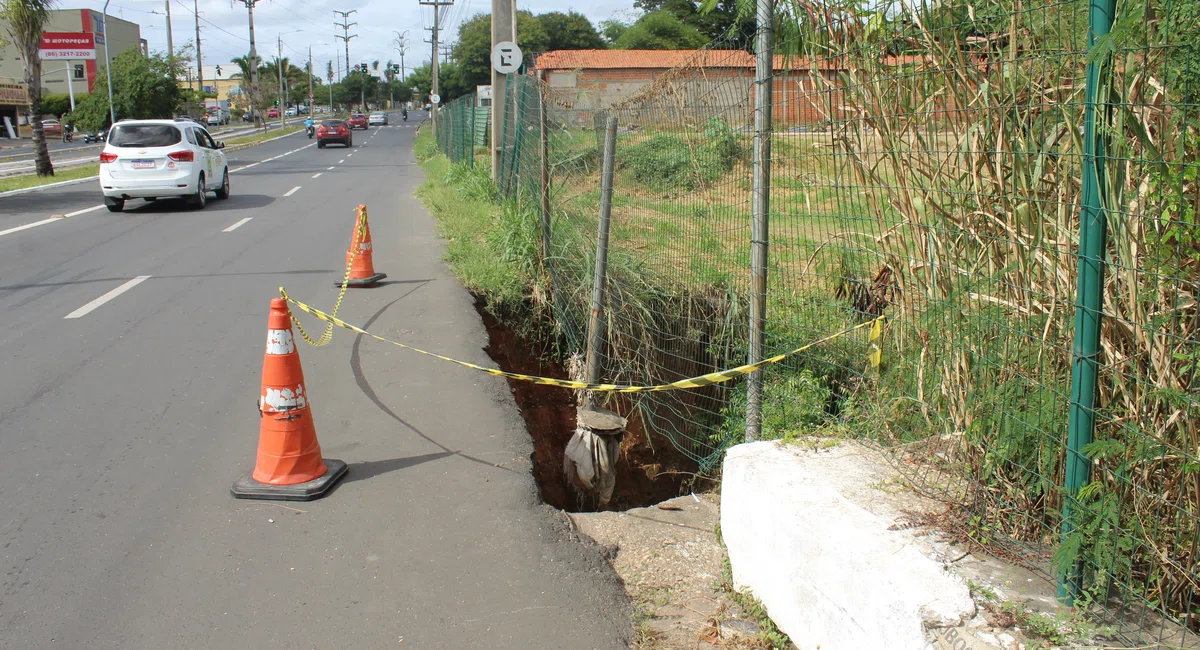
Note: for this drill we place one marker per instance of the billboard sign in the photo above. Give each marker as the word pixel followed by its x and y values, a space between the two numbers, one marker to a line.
pixel 67 45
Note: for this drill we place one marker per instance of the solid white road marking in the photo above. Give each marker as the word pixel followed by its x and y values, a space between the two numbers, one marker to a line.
pixel 237 225
pixel 318 174
pixel 43 222
pixel 292 191
pixel 86 309
pixel 84 211
pixel 27 226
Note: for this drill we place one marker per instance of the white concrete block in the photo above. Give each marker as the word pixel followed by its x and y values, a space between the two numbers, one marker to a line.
pixel 828 571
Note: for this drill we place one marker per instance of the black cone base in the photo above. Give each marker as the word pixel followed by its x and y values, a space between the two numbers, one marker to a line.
pixel 248 488
pixel 364 282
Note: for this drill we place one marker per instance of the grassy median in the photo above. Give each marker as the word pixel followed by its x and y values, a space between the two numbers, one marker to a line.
pixel 32 180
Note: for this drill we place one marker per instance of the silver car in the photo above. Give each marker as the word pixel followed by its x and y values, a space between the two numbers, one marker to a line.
pixel 377 119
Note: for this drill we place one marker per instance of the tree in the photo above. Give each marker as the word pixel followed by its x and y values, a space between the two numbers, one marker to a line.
pixel 26 20
pixel 661 30
pixel 716 20
pixel 142 89
pixel 612 29
pixel 570 31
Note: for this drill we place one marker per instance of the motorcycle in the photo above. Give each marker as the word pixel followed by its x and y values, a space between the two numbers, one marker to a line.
pixel 67 135
pixel 404 116
pixel 310 130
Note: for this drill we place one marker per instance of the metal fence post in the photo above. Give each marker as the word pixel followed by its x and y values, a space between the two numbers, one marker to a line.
pixel 545 176
pixel 760 208
pixel 596 323
pixel 1081 422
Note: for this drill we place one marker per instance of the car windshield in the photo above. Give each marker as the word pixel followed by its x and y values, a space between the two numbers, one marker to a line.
pixel 144 135
pixel 331 123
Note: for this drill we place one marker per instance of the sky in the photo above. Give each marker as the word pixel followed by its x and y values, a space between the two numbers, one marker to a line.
pixel 298 24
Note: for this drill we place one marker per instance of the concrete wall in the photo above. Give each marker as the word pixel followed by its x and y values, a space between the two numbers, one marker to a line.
pixel 694 97
pixel 123 35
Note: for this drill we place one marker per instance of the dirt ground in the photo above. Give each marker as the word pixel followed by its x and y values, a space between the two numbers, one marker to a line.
pixel 673 564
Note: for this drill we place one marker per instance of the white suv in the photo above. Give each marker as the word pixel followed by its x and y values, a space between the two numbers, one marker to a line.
pixel 148 159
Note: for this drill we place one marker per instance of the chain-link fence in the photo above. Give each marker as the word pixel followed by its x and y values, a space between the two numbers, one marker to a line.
pixel 1014 185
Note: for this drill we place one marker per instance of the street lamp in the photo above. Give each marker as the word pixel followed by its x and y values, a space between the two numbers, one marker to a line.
pixel 70 84
pixel 112 115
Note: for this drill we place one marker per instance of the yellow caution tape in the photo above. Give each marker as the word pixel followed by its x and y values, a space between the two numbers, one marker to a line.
pixel 693 382
pixel 876 349
pixel 360 232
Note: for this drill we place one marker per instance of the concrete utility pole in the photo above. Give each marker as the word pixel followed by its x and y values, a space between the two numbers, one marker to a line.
pixel 310 88
pixel 170 44
pixel 346 33
pixel 433 41
pixel 279 71
pixel 199 60
pixel 504 28
pixel 253 58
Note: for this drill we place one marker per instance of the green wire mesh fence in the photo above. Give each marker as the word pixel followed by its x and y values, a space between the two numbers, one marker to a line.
pixel 927 165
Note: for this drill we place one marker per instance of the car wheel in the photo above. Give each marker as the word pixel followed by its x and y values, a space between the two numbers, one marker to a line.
pixel 223 192
pixel 320 145
pixel 114 204
pixel 200 198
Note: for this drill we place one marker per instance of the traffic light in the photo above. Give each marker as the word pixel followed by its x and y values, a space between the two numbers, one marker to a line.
pixel 218 71
pixel 395 67
pixel 276 102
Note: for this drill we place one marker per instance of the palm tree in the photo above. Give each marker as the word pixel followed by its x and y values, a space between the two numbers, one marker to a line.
pixel 26 20
pixel 390 74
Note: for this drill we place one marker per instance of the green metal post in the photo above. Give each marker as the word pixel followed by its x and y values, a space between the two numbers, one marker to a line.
pixel 1081 423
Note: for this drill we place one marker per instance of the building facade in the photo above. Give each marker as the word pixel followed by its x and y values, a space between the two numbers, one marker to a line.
pixel 83 76
pixel 224 79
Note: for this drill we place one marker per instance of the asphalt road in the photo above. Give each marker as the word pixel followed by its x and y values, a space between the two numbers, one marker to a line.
pixel 121 431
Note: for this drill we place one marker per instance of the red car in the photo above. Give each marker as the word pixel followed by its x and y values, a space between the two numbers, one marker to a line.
pixel 358 121
pixel 334 132
pixel 274 112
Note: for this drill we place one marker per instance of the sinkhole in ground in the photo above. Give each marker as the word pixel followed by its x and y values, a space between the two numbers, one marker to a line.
pixel 649 471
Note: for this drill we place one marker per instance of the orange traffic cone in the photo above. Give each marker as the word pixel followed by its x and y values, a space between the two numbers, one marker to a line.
pixel 289 465
pixel 362 272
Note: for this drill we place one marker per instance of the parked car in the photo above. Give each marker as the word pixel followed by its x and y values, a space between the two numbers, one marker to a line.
pixel 149 159
pixel 377 119
pixel 358 121
pixel 273 113
pixel 334 132
pixel 292 112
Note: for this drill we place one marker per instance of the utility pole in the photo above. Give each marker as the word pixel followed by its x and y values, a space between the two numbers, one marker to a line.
pixel 402 45
pixel 310 90
pixel 279 70
pixel 504 28
pixel 170 45
pixel 433 41
pixel 346 33
pixel 199 60
pixel 253 60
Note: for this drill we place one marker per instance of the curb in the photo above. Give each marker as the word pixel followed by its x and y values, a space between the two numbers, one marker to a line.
pixel 38 188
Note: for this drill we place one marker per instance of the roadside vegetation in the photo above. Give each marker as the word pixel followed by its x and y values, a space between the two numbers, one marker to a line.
pixel 33 180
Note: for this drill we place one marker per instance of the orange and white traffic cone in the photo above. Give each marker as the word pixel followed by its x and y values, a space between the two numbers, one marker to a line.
pixel 362 269
pixel 289 465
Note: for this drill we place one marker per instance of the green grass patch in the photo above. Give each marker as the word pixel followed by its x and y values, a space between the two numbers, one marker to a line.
pixel 488 246
pixel 33 180
pixel 670 162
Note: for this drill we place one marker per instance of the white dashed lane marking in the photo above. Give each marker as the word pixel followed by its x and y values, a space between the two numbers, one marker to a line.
pixel 292 191
pixel 318 174
pixel 88 308
pixel 237 225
